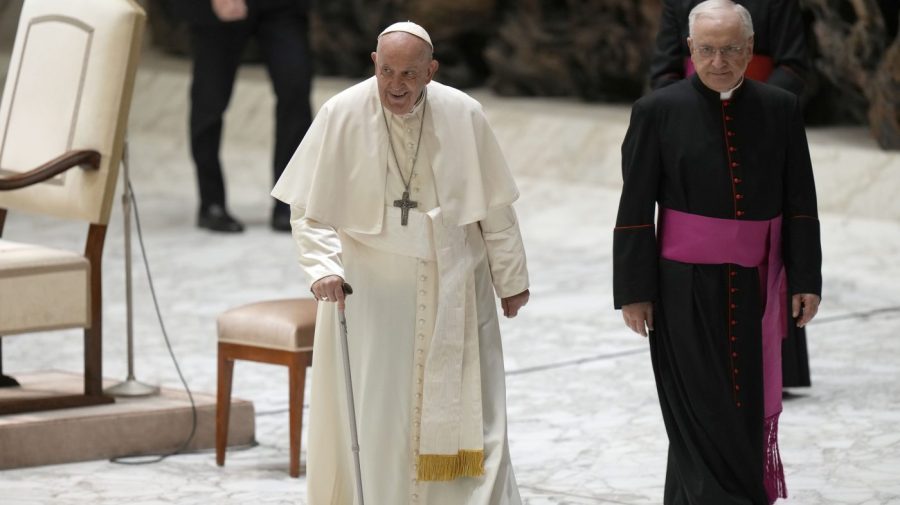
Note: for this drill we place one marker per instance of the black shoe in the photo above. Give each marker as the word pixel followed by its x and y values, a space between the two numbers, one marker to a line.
pixel 214 217
pixel 281 217
pixel 788 395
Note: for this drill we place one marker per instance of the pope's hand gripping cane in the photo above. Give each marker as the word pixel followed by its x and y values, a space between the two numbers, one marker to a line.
pixel 351 409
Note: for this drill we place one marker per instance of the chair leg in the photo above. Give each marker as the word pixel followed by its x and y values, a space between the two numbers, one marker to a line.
pixel 93 358
pixel 223 404
pixel 93 336
pixel 297 379
pixel 5 380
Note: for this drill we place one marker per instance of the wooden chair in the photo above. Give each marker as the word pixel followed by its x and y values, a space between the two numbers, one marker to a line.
pixel 278 332
pixel 62 133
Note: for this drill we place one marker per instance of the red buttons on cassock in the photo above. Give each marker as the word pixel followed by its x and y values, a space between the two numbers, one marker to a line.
pixel 728 118
pixel 733 338
pixel 732 149
pixel 735 164
pixel 737 387
pixel 734 355
pixel 731 133
pixel 740 213
pixel 738 404
pixel 737 180
pixel 739 196
pixel 733 305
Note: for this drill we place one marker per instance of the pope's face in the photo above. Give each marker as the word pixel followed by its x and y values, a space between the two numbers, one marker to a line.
pixel 720 50
pixel 403 66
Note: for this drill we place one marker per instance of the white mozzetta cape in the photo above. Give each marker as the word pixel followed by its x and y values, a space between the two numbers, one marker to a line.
pixel 338 173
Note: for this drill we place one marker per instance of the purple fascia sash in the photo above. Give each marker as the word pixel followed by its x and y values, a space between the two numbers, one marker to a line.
pixel 691 238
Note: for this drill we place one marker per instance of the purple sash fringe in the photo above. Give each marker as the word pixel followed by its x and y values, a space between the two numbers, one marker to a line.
pixel 691 238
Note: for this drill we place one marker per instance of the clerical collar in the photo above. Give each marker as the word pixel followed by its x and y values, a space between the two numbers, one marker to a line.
pixel 715 96
pixel 726 95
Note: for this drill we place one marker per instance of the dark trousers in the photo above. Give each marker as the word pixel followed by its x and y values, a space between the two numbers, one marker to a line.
pixel 281 33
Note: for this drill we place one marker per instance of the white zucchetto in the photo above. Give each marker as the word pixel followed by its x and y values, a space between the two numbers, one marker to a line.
pixel 410 28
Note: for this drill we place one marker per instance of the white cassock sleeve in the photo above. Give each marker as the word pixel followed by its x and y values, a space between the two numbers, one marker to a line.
pixel 506 252
pixel 318 245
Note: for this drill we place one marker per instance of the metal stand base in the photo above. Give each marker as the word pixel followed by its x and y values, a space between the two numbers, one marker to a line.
pixel 8 382
pixel 131 387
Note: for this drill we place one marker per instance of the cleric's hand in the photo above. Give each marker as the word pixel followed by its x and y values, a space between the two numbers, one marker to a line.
pixel 329 289
pixel 639 317
pixel 804 305
pixel 512 304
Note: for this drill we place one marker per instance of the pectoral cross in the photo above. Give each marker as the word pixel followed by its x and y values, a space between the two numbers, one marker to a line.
pixel 405 204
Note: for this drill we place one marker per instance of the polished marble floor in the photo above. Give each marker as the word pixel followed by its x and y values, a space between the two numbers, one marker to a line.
pixel 584 423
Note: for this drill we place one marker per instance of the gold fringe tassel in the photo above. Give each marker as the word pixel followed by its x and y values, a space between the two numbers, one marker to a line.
pixel 434 467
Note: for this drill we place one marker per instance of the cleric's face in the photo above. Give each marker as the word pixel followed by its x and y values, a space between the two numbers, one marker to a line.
pixel 720 50
pixel 403 66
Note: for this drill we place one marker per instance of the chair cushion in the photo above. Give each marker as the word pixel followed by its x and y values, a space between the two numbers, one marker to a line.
pixel 278 324
pixel 42 288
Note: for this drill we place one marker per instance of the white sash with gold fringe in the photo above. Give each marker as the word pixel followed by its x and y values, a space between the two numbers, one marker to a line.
pixel 450 421
pixel 452 436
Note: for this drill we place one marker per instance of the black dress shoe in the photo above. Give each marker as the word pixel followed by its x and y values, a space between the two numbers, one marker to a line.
pixel 281 217
pixel 216 218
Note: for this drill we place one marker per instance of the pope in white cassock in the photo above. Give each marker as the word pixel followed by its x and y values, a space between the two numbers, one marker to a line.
pixel 400 188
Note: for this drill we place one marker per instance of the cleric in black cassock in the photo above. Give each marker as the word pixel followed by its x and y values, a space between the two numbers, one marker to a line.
pixel 716 146
pixel 780 59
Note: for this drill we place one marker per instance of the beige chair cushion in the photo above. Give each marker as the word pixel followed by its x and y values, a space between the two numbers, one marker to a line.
pixel 277 324
pixel 42 288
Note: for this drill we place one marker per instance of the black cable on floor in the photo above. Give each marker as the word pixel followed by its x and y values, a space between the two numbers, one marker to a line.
pixel 156 458
pixel 865 314
pixel 577 361
pixel 580 361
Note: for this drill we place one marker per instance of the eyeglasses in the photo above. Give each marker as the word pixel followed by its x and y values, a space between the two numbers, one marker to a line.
pixel 707 52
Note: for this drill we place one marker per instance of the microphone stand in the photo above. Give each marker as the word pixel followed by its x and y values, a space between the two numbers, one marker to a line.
pixel 130 386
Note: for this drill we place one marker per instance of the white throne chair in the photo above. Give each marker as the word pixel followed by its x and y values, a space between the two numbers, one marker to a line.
pixel 63 115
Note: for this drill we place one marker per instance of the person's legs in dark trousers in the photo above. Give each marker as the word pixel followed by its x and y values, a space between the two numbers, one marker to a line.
pixel 217 50
pixel 282 34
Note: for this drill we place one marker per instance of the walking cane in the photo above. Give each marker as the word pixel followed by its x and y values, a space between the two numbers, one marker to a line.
pixel 351 409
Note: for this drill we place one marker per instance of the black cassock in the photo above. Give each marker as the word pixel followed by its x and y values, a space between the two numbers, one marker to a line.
pixel 743 158
pixel 778 33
